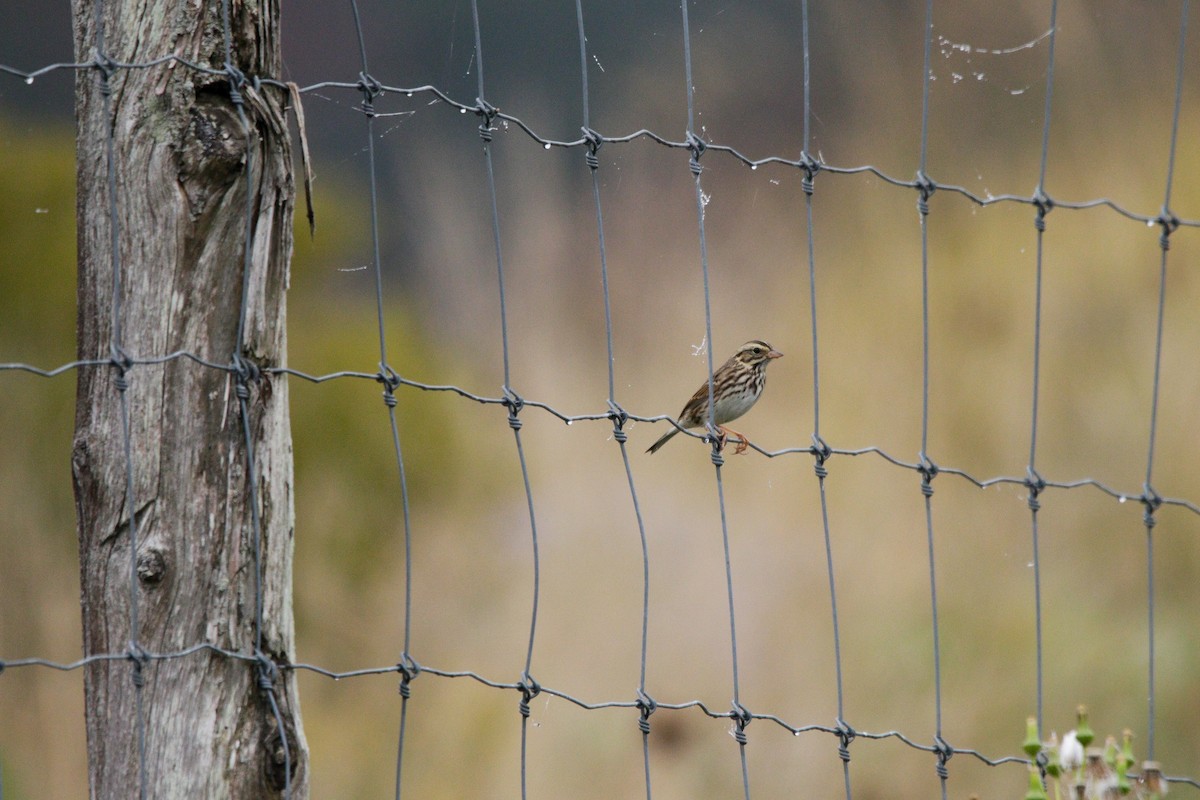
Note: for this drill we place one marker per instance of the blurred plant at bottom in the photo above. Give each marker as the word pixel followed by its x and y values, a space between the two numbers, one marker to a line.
pixel 1079 770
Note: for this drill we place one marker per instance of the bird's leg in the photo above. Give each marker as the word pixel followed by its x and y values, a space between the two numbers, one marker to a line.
pixel 742 441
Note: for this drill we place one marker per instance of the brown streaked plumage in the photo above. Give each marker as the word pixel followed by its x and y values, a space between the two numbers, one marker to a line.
pixel 737 385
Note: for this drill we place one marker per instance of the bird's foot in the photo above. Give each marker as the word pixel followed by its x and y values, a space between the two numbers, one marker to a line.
pixel 742 442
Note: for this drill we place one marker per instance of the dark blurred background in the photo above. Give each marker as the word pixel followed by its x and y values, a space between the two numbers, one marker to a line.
pixel 1110 133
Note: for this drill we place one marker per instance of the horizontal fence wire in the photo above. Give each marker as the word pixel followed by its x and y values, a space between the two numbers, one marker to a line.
pixel 125 366
pixel 625 416
pixel 806 163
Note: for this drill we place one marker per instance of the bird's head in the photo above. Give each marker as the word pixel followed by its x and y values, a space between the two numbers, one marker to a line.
pixel 755 353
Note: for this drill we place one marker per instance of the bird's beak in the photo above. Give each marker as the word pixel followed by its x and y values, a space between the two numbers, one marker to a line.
pixel 774 354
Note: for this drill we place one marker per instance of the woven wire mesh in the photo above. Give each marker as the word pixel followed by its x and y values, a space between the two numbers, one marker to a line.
pixel 685 544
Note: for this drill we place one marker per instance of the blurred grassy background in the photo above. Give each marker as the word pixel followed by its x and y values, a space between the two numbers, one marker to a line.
pixel 1113 100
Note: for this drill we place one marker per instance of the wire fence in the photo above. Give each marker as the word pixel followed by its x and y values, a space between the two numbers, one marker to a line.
pixel 649 698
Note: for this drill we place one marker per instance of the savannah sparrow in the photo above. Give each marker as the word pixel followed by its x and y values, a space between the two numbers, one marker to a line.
pixel 737 385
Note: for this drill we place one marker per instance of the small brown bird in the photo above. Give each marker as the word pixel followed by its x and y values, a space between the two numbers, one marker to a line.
pixel 737 385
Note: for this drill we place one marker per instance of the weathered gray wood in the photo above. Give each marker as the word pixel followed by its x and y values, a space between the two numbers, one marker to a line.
pixel 181 193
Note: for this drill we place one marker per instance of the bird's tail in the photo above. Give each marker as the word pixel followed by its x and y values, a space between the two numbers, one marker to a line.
pixel 662 440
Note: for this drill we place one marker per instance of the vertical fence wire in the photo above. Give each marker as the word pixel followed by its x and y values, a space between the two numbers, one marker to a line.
pixel 529 687
pixel 696 146
pixel 389 378
pixel 645 704
pixel 928 468
pixel 1151 499
pixel 821 451
pixel 1033 480
pixel 121 363
pixel 245 373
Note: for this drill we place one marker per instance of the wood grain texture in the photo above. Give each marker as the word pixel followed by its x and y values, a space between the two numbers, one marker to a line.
pixel 180 155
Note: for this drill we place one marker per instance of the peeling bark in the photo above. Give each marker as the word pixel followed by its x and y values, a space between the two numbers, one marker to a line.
pixel 180 153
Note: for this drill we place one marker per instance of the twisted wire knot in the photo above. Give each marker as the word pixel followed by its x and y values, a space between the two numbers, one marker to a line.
pixel 391 381
pixel 529 689
pixel 371 89
pixel 246 372
pixel 944 753
pixel 106 67
pixel 388 377
pixel 715 437
pixel 120 361
pixel 488 111
pixel 409 670
pixel 266 672
pixel 237 80
pixel 1036 485
pixel 1044 205
pixel 594 141
pixel 119 358
pixel 696 146
pixel 514 403
pixel 619 417
pixel 1152 500
pixel 1169 224
pixel 810 167
pixel 821 448
pixel 846 735
pixel 929 471
pixel 821 452
pixel 925 188
pixel 138 656
pixel 646 705
pixel 741 717
pixel 245 369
